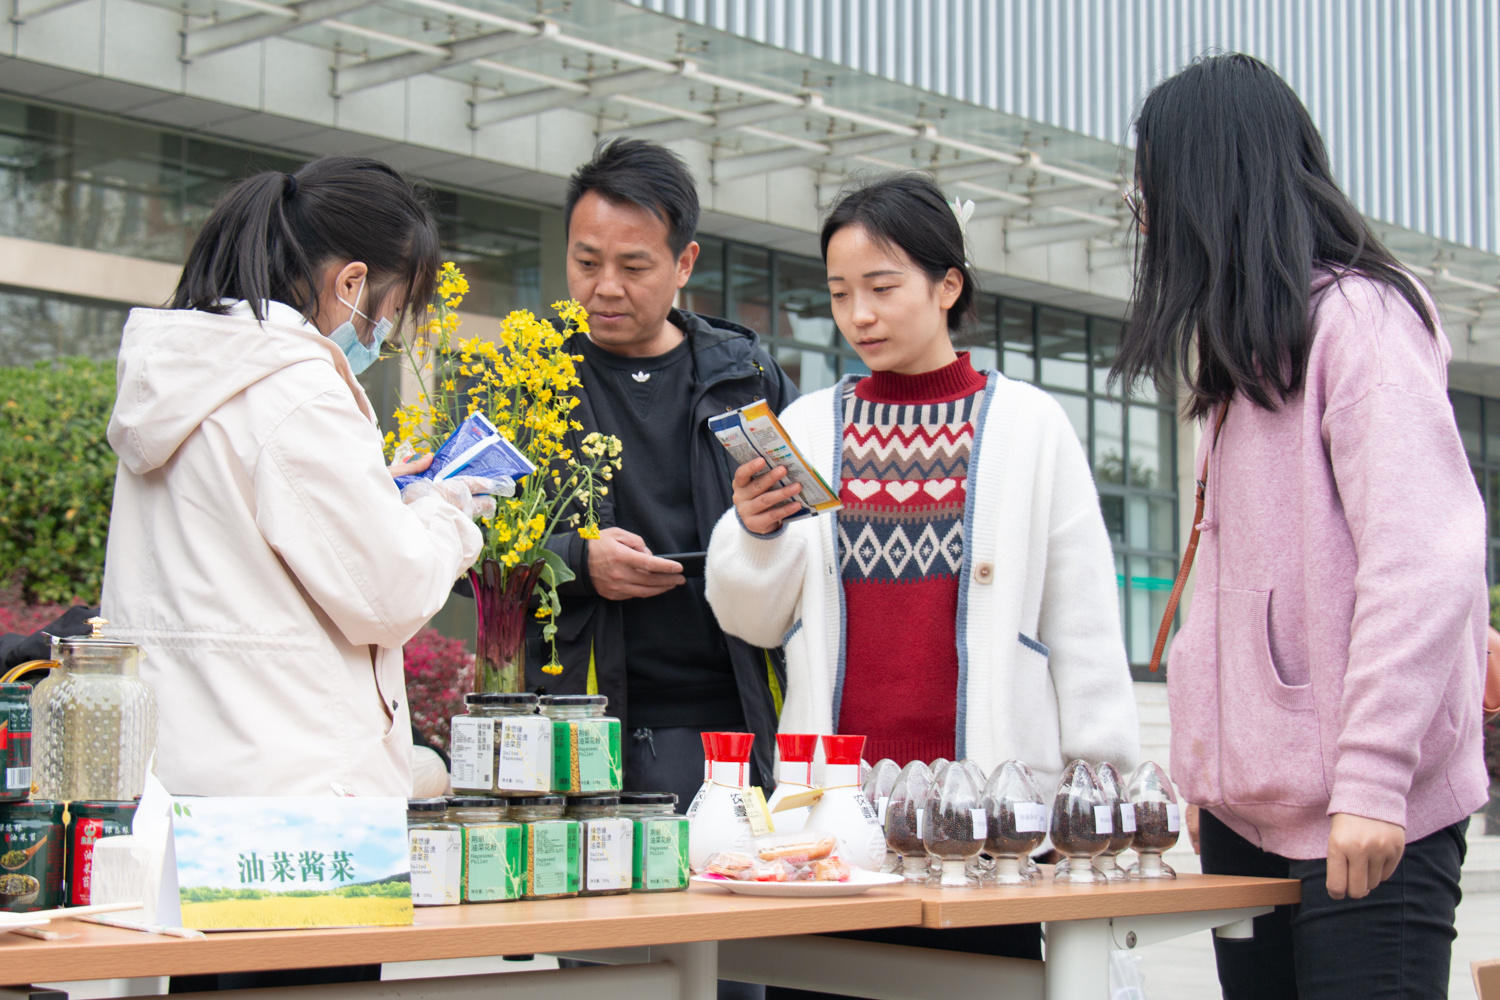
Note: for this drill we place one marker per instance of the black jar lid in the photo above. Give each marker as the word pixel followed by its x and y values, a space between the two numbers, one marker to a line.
pixel 500 698
pixel 593 800
pixel 575 700
pixel 648 798
pixel 474 802
pixel 427 805
pixel 32 809
pixel 538 800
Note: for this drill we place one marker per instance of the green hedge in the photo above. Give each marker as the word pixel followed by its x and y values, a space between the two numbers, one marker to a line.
pixel 57 478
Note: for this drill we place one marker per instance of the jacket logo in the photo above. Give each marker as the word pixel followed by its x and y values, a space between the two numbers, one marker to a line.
pixel 641 376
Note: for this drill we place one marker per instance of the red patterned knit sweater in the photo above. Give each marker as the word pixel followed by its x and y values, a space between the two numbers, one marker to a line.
pixel 906 449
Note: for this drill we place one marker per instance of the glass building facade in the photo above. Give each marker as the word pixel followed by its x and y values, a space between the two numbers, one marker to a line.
pixel 105 184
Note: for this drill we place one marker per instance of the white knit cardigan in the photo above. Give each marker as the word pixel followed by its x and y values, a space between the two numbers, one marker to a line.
pixel 1043 675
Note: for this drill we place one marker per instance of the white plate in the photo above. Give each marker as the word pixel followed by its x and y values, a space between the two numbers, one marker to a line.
pixel 859 881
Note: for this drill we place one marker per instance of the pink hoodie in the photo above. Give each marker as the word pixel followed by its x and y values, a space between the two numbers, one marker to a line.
pixel 1331 660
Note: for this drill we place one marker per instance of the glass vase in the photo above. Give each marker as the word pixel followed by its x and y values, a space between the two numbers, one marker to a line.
pixel 500 597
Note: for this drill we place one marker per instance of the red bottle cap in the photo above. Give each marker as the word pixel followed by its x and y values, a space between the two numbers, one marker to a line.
pixel 733 748
pixel 797 747
pixel 843 749
pixel 708 745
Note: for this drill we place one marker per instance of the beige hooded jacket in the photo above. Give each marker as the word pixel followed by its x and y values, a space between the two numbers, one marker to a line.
pixel 260 553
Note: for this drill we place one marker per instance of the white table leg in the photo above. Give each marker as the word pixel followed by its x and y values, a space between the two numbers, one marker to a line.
pixel 1078 950
pixel 697 965
pixel 1077 966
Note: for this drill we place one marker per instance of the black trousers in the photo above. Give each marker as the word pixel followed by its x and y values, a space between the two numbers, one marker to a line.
pixel 1394 943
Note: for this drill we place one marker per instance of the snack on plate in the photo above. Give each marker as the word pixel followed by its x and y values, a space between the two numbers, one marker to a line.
pixel 728 863
pixel 831 870
pixel 798 848
pixel 768 871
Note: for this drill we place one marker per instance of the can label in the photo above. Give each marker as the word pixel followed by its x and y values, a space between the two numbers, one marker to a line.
pixel 553 857
pixel 660 855
pixel 494 862
pixel 15 744
pixel 82 834
pixel 586 756
pixel 607 856
pixel 436 866
pixel 31 864
pixel 472 750
pixel 524 756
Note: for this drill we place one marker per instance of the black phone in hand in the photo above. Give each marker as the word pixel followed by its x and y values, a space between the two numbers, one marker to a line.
pixel 691 562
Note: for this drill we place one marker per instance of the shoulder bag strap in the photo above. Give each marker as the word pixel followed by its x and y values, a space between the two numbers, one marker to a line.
pixel 1192 550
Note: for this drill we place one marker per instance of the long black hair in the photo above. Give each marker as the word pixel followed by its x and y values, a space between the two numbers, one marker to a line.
pixel 271 234
pixel 908 211
pixel 1239 210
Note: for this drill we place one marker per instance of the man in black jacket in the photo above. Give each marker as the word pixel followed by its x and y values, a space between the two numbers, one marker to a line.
pixel 633 626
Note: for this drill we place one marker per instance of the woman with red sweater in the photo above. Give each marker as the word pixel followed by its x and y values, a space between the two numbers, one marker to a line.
pixel 963 602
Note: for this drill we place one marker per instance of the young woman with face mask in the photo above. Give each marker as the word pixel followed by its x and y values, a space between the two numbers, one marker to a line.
pixel 258 549
pixel 1326 684
pixel 963 601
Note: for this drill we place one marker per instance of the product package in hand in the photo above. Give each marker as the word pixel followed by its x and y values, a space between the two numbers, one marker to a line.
pixel 476 449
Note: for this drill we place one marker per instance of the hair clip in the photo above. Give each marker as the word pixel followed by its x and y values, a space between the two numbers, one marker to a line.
pixel 963 211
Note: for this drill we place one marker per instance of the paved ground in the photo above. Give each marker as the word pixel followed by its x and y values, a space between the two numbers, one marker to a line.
pixel 1184 969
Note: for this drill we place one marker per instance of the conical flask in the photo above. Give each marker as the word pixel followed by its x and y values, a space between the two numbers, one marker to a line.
pixel 1112 786
pixel 903 819
pixel 1081 823
pixel 1016 820
pixel 1158 821
pixel 954 827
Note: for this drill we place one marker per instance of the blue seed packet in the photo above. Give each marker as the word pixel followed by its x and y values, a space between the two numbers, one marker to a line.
pixel 476 448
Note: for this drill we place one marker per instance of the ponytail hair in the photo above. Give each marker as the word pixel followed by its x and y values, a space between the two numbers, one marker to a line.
pixel 908 211
pixel 270 235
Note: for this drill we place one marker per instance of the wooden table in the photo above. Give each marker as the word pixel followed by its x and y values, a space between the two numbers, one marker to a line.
pixel 675 945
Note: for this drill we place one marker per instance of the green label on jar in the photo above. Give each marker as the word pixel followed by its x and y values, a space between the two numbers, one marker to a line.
pixel 31 864
pixel 660 858
pixel 553 857
pixel 586 756
pixel 494 862
pixel 607 854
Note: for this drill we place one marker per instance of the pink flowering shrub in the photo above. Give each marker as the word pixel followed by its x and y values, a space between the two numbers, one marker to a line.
pixel 18 616
pixel 439 672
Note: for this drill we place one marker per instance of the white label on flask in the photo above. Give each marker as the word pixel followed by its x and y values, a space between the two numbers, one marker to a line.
pixel 1031 817
pixel 1127 817
pixel 18 777
pixel 1174 817
pixel 525 763
pixel 472 750
pixel 1103 822
pixel 795 772
pixel 921 813
pixel 880 808
pixel 733 773
pixel 608 854
pixel 981 824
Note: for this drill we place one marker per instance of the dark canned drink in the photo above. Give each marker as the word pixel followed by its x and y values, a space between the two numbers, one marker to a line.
pixel 15 742
pixel 31 855
pixel 89 823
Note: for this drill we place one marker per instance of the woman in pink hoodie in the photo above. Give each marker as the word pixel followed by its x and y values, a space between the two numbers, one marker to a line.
pixel 1325 687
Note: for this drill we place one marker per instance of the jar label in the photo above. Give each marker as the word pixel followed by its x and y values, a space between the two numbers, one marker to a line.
pixel 525 755
pixel 885 801
pixel 493 862
pixel 921 814
pixel 1104 820
pixel 980 823
pixel 1174 817
pixel 660 856
pixel 552 857
pixel 608 856
pixel 436 866
pixel 15 741
pixel 1031 817
pixel 35 880
pixel 82 835
pixel 1127 817
pixel 472 750
pixel 586 755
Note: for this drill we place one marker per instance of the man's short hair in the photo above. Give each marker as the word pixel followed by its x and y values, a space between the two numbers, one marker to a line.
pixel 640 173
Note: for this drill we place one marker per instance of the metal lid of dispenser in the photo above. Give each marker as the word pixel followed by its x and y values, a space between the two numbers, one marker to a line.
pixel 96 653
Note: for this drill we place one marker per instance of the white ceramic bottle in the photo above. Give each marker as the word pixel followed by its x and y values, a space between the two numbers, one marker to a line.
pixel 793 775
pixel 708 764
pixel 843 810
pixel 721 823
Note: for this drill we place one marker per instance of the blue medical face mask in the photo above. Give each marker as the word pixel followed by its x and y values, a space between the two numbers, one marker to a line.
pixel 360 356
